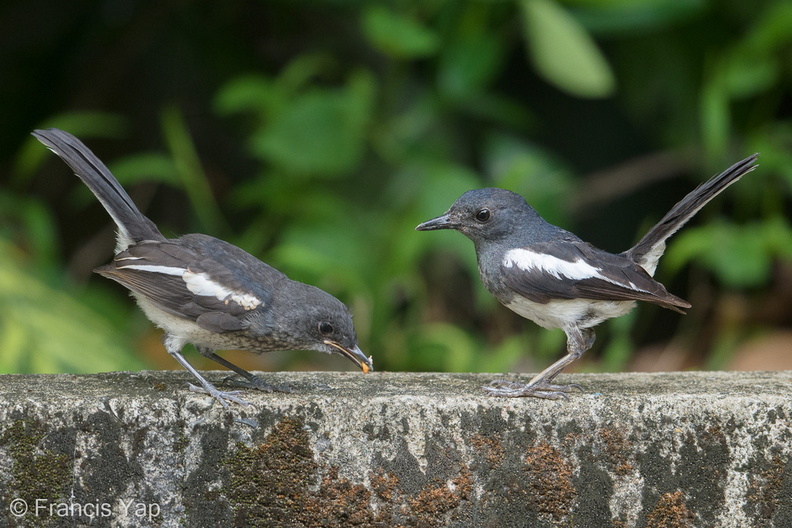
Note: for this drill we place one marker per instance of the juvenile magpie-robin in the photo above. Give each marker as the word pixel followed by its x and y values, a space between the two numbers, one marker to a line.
pixel 205 291
pixel 550 276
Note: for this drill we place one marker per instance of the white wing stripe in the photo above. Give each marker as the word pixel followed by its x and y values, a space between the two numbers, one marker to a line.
pixel 527 260
pixel 200 284
pixel 165 270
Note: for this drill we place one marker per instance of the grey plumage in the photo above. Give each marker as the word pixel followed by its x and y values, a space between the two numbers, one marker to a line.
pixel 205 291
pixel 132 225
pixel 557 280
pixel 650 248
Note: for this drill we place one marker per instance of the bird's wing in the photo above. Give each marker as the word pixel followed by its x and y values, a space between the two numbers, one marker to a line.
pixel 572 269
pixel 186 279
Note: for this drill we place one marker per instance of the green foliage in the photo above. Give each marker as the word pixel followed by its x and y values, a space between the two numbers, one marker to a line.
pixel 634 17
pixel 472 57
pixel 317 136
pixel 47 323
pixel 45 329
pixel 187 166
pixel 563 52
pixel 751 66
pixel 302 130
pixel 398 34
pixel 740 255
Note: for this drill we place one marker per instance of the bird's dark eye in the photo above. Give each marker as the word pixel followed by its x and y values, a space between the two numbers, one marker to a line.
pixel 483 215
pixel 326 328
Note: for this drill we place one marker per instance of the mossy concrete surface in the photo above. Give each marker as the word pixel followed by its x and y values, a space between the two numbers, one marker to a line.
pixel 387 450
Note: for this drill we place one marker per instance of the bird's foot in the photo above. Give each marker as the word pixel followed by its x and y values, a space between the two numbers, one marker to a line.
pixel 259 384
pixel 224 397
pixel 539 389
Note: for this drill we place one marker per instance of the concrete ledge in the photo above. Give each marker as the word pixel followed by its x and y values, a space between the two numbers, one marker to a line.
pixel 385 449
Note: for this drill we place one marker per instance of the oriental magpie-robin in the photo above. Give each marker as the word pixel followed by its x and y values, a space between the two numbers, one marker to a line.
pixel 205 291
pixel 550 276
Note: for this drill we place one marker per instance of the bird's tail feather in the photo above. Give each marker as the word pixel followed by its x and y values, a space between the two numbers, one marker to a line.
pixel 132 225
pixel 650 248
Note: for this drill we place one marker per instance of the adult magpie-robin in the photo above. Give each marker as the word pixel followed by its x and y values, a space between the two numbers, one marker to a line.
pixel 205 291
pixel 550 276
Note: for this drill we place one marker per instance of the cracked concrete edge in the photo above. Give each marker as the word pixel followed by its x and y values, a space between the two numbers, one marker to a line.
pixel 398 449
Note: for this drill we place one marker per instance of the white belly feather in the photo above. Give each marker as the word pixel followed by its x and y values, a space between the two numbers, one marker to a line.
pixel 562 313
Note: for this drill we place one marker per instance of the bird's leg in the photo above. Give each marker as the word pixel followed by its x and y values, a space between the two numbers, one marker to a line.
pixel 253 380
pixel 541 386
pixel 174 345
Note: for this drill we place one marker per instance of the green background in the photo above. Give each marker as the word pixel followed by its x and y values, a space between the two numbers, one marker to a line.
pixel 317 134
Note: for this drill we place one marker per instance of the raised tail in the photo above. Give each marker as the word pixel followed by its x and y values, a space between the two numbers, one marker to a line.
pixel 650 248
pixel 133 227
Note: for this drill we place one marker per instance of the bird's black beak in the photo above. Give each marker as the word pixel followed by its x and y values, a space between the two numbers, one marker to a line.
pixel 441 222
pixel 355 355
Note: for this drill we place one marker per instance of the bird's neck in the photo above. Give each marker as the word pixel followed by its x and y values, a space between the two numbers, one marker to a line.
pixel 490 256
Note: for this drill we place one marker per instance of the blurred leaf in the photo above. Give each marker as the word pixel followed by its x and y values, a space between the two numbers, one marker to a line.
pixel 774 141
pixel 248 93
pixel 469 62
pixel 548 344
pixel 631 17
pixel 189 170
pixel 740 255
pixel 770 30
pixel 331 253
pixel 715 116
pixel 442 347
pixel 752 65
pixel 619 348
pixel 563 53
pixel 263 96
pixel 397 34
pixel 504 110
pixel 46 330
pixel 406 134
pixel 145 167
pixel 502 358
pixel 746 74
pixel 726 342
pixel 299 72
pixel 26 222
pixel 320 132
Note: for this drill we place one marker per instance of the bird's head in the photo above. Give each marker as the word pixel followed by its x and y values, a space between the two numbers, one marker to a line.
pixel 315 320
pixel 485 215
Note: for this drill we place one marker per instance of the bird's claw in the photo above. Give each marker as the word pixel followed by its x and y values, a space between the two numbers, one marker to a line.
pixel 541 389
